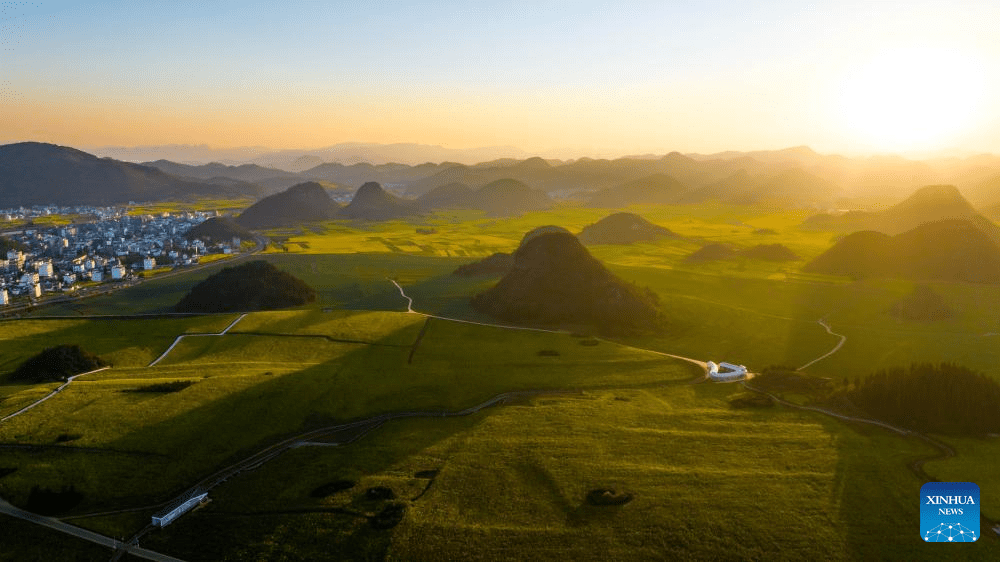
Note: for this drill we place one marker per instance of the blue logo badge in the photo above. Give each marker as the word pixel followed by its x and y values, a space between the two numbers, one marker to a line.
pixel 949 512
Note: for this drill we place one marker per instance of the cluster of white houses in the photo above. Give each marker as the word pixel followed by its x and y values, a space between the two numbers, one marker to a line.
pixel 726 371
pixel 112 247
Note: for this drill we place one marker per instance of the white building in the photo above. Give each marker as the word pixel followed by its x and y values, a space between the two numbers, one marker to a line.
pixel 69 278
pixel 4 297
pixel 29 278
pixel 167 516
pixel 36 290
pixel 44 268
pixel 149 264
pixel 117 272
pixel 726 371
pixel 96 275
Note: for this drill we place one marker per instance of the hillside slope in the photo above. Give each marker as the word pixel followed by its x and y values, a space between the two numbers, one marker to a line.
pixel 947 250
pixel 33 173
pixel 623 228
pixel 555 280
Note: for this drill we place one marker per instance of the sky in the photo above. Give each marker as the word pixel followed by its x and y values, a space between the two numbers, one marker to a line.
pixel 554 78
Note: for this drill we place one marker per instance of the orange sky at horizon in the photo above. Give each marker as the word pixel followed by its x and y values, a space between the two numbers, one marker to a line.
pixel 601 80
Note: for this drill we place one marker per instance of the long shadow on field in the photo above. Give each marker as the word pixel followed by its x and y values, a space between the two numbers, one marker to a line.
pixel 246 515
pixel 455 366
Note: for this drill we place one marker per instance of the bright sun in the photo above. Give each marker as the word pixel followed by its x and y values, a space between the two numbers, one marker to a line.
pixel 912 99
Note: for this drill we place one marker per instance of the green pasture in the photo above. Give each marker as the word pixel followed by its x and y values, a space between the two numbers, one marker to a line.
pixel 975 461
pixel 707 481
pixel 121 342
pixel 250 389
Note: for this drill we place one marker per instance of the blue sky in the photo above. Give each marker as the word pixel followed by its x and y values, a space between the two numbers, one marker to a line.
pixel 655 76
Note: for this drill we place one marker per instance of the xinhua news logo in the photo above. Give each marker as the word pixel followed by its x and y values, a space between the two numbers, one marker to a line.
pixel 949 512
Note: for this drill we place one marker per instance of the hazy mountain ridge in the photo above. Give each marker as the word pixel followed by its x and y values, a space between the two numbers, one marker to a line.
pixel 928 204
pixel 947 250
pixel 796 176
pixel 38 173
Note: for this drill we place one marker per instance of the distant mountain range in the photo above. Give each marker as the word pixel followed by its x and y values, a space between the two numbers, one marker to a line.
pixel 798 177
pixel 299 160
pixel 38 174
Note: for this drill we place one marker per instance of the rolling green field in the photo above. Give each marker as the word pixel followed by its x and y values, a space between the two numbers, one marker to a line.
pixel 511 481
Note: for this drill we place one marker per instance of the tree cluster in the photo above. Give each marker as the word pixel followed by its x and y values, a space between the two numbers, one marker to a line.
pixel 257 285
pixel 57 364
pixel 944 398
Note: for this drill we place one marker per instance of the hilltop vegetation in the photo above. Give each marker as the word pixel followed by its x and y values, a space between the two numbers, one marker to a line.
pixel 257 285
pixel 555 280
pixel 373 203
pixel 928 204
pixel 943 398
pixel 218 229
pixel 623 228
pixel 495 264
pixel 57 364
pixel 506 197
pixel 300 203
pixel 948 250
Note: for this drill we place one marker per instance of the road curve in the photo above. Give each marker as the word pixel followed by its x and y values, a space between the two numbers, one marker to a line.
pixel 182 336
pixel 409 308
pixel 835 349
pixel 84 534
pixel 53 393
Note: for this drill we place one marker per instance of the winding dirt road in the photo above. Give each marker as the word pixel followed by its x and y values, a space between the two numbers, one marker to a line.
pixel 835 349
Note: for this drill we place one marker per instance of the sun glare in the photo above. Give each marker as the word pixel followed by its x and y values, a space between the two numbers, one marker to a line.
pixel 914 98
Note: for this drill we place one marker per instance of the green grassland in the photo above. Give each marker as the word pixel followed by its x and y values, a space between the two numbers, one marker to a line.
pixel 750 311
pixel 250 389
pixel 708 482
pixel 757 484
pixel 27 542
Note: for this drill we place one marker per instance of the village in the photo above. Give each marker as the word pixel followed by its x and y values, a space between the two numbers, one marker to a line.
pixel 112 247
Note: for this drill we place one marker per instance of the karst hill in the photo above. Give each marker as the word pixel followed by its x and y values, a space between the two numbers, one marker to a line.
pixel 555 281
pixel 300 203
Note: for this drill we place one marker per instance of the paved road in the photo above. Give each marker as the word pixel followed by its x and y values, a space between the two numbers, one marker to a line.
pixel 84 534
pixel 182 336
pixel 409 308
pixel 835 349
pixel 53 393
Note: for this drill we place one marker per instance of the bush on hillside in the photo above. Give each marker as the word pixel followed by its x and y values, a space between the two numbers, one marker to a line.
pixel 256 285
pixel 57 364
